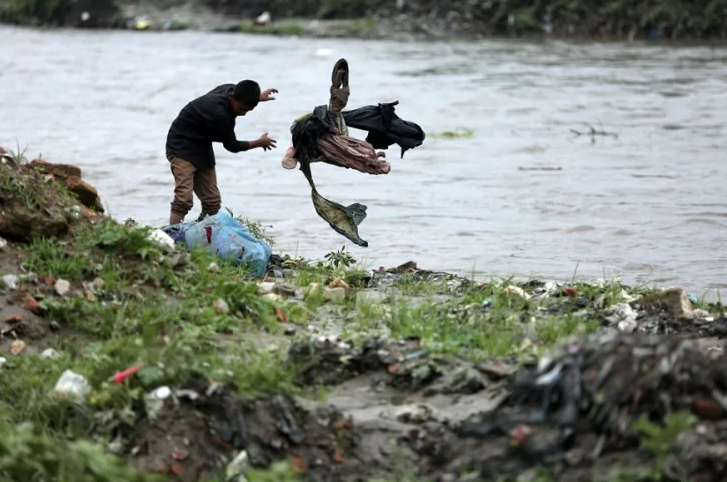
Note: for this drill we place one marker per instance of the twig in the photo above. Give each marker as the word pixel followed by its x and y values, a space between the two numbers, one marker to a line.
pixel 593 133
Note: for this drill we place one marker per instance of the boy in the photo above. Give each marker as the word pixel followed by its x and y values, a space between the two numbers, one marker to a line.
pixel 207 119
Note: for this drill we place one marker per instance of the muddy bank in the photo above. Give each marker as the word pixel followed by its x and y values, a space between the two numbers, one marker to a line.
pixel 168 365
pixel 405 20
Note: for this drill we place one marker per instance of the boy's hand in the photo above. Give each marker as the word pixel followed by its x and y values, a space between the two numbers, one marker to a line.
pixel 265 142
pixel 265 95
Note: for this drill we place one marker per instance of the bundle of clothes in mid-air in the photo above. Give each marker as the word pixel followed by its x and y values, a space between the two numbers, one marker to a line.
pixel 322 136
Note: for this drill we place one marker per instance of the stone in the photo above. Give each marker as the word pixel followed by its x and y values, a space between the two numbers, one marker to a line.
pixel 3 244
pixel 17 347
pixel 336 295
pixel 62 287
pixel 273 297
pixel 673 301
pixel 85 192
pixel 701 314
pixel 517 291
pixel 371 296
pixel 339 283
pixel 10 281
pixel 221 307
pixel 50 354
pixel 31 304
pixel 62 171
pixel 623 316
pixel 284 289
pixel 265 287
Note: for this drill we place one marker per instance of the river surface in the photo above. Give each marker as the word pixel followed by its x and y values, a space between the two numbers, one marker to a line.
pixel 523 196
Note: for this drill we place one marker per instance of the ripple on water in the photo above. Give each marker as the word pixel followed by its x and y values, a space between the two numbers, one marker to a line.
pixel 521 99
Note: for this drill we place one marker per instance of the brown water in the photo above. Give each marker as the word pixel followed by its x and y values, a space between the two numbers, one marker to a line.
pixel 649 205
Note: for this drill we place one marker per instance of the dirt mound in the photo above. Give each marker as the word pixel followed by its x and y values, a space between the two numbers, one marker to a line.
pixel 41 199
pixel 196 433
pixel 581 408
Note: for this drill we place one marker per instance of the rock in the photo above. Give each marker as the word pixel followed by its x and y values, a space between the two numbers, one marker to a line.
pixel 623 317
pixel 62 287
pixel 273 297
pixel 701 314
pixel 12 319
pixel 265 287
pixel 30 304
pixel 339 283
pixel 50 354
pixel 10 282
pixel 55 326
pixel 3 244
pixel 517 291
pixel 86 193
pixel 290 331
pixel 313 288
pixel 284 289
pixel 570 291
pixel 371 296
pixel 17 347
pixel 221 307
pixel 236 469
pixel 336 295
pixel 673 301
pixel 62 171
pixel 707 409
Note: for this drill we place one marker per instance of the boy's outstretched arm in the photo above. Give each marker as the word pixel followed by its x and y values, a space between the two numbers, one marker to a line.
pixel 265 95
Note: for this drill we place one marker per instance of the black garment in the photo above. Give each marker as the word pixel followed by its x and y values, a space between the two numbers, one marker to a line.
pixel 385 127
pixel 205 120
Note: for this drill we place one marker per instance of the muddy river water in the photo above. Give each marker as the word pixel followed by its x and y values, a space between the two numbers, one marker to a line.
pixel 522 196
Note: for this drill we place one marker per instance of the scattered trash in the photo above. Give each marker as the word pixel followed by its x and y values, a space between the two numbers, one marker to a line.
pixel 123 375
pixel 225 237
pixel 74 385
pixel 623 316
pixel 62 287
pixel 10 281
pixel 162 239
pixel 162 393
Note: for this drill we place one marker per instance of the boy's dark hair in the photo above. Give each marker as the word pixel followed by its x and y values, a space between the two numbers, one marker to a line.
pixel 247 92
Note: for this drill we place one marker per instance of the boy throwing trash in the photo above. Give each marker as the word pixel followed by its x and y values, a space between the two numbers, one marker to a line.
pixel 207 119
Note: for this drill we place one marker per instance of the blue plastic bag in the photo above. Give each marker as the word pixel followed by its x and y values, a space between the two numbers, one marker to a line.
pixel 225 237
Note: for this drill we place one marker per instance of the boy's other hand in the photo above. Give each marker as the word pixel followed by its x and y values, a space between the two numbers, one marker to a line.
pixel 265 95
pixel 266 143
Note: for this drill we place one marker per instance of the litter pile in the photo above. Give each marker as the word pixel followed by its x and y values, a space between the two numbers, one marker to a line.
pixel 571 413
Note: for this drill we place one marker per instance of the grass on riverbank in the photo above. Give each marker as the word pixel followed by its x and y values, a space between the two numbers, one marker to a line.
pixel 103 297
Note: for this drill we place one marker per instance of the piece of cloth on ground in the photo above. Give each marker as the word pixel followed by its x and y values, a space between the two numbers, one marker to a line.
pixel 225 237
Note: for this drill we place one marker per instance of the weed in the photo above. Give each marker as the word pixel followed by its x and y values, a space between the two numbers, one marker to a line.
pixel 255 228
pixel 463 133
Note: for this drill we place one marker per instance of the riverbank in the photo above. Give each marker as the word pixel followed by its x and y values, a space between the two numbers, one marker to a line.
pixel 124 359
pixel 696 22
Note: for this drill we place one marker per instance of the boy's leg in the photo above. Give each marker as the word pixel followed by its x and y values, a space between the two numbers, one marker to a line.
pixel 183 172
pixel 205 187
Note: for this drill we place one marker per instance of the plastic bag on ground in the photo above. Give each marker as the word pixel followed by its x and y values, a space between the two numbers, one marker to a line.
pixel 225 237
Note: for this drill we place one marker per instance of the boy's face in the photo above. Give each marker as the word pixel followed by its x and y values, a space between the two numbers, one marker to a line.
pixel 238 107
